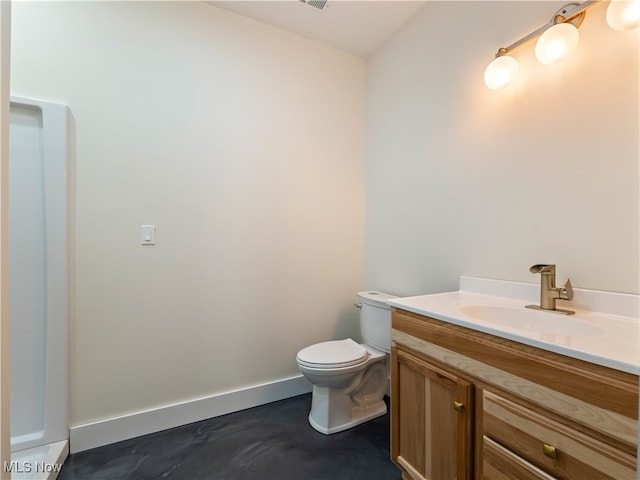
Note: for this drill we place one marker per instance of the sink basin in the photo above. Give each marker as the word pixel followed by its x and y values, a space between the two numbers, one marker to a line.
pixel 529 320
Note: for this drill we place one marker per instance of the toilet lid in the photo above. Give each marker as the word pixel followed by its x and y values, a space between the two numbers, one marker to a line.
pixel 334 354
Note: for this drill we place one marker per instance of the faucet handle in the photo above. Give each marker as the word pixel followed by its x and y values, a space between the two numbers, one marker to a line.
pixel 542 268
pixel 567 290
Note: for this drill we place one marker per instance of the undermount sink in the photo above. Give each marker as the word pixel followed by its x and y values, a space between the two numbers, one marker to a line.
pixel 529 320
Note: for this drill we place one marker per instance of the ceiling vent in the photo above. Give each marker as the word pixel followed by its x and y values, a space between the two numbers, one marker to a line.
pixel 317 4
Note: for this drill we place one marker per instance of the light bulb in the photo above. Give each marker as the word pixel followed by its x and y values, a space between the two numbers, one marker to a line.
pixel 557 42
pixel 500 72
pixel 623 14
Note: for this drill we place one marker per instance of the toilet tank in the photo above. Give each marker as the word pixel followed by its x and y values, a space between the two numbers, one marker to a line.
pixel 375 319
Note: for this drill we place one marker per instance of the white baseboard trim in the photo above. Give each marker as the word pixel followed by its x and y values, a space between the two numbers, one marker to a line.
pixel 111 430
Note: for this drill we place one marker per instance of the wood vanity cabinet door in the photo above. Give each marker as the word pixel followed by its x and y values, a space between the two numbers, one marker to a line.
pixel 432 415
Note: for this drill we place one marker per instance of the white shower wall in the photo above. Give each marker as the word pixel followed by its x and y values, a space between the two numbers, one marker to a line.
pixel 27 288
pixel 38 305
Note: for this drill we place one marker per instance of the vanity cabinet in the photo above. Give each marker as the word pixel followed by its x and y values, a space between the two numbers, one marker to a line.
pixel 465 404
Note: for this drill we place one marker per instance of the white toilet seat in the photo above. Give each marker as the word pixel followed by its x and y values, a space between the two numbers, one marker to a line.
pixel 333 354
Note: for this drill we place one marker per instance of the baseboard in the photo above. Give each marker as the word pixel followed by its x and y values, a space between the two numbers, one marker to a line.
pixel 104 432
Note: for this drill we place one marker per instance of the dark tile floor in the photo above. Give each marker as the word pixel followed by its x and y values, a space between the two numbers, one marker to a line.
pixel 273 441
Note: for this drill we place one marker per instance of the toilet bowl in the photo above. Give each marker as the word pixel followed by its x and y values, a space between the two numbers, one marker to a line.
pixel 350 379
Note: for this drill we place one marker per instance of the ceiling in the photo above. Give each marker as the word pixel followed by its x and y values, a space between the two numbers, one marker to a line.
pixel 358 27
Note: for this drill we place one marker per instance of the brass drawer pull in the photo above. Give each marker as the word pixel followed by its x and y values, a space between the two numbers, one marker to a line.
pixel 549 451
pixel 458 406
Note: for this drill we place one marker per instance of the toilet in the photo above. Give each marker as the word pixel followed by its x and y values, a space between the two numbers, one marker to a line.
pixel 350 379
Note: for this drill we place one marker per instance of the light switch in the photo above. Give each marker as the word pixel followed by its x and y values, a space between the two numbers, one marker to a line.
pixel 148 234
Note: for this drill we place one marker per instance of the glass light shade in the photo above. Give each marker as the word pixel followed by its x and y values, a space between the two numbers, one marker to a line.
pixel 557 42
pixel 623 14
pixel 500 72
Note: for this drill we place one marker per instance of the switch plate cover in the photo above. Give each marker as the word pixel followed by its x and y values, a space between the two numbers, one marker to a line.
pixel 148 234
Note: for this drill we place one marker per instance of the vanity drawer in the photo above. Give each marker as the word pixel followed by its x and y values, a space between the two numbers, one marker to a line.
pixel 502 464
pixel 553 447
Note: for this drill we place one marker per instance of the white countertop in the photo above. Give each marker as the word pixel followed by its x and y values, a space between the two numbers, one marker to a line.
pixel 608 336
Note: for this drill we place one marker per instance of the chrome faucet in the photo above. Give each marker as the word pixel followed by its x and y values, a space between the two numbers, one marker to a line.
pixel 549 293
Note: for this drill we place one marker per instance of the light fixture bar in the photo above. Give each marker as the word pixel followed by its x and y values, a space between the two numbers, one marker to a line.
pixel 571 11
pixel 558 38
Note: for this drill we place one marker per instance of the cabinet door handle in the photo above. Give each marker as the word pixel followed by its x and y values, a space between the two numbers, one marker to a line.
pixel 549 451
pixel 458 406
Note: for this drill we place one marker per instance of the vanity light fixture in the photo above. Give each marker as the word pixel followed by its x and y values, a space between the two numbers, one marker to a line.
pixel 559 37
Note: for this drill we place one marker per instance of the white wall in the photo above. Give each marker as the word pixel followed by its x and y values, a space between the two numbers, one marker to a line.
pixel 465 180
pixel 5 420
pixel 244 145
